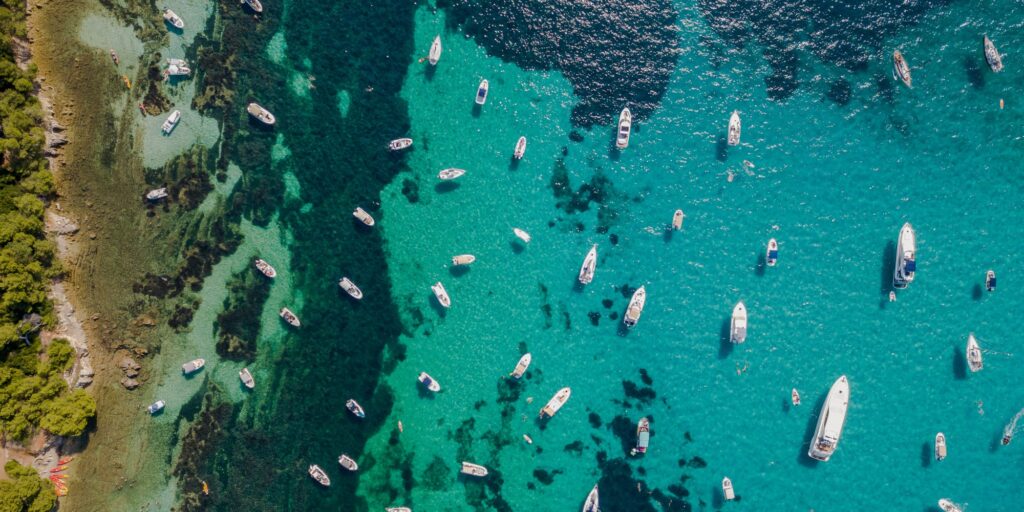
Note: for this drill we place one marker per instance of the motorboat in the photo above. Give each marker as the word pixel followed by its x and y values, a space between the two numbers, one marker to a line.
pixel 451 173
pixel 363 217
pixel 481 92
pixel 156 407
pixel 156 194
pixel 973 354
pixel 193 366
pixel 900 69
pixel 528 439
pixel 178 23
pixel 441 294
pixel 796 397
pixel 643 435
pixel 468 468
pixel 265 268
pixel 350 288
pixel 246 376
pixel 348 462
pixel 990 280
pixel 520 148
pixel 771 255
pixel 521 366
pixel 734 128
pixel 522 235
pixel 261 114
pixel 290 317
pixel 399 144
pixel 355 408
pixel 319 475
pixel 948 506
pixel 738 325
pixel 555 403
pixel 589 265
pixel 906 258
pixel 831 421
pixel 995 61
pixel 463 259
pixel 178 67
pixel 593 501
pixel 255 5
pixel 677 220
pixel 429 382
pixel 397 509
pixel 435 51
pixel 940 446
pixel 171 122
pixel 727 489
pixel 624 129
pixel 635 308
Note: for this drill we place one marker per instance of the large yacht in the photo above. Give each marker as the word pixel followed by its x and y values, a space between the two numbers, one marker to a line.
pixel 521 366
pixel 592 503
pixel 906 258
pixel 995 61
pixel 643 435
pixel 973 354
pixel 948 506
pixel 555 403
pixel 831 421
pixel 589 265
pixel 734 128
pixel 900 69
pixel 625 127
pixel 481 92
pixel 435 51
pixel 738 326
pixel 636 307
pixel 176 21
pixel 171 122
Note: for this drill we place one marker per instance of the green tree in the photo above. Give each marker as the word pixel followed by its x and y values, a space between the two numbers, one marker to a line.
pixel 69 414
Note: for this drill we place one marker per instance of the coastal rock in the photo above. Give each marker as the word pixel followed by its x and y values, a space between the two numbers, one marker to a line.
pixel 128 364
pixel 59 225
pixel 131 373
pixel 129 383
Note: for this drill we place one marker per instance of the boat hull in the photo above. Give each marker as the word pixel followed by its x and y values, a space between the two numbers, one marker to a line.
pixel 831 421
pixel 624 129
pixel 636 308
pixel 906 258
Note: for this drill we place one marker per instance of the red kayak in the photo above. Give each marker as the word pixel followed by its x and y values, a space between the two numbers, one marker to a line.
pixel 58 469
pixel 65 460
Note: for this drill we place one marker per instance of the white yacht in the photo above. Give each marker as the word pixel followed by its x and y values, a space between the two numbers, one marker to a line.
pixel 795 395
pixel 363 217
pixel 399 144
pixel 350 288
pixel 948 506
pixel 193 366
pixel 727 489
pixel 900 69
pixel 348 462
pixel 831 421
pixel 940 446
pixel 589 265
pixel 175 20
pixel 468 468
pixel 771 255
pixel 441 294
pixel 973 354
pixel 643 435
pixel 481 92
pixel 734 128
pixel 522 235
pixel 636 307
pixel 435 51
pixel 463 259
pixel 520 148
pixel 521 366
pixel 451 173
pixel 156 194
pixel 995 61
pixel 677 220
pixel 246 376
pixel 156 407
pixel 738 326
pixel 290 317
pixel 255 5
pixel 906 258
pixel 397 509
pixel 178 67
pixel 261 114
pixel 555 403
pixel 593 501
pixel 171 122
pixel 990 280
pixel 265 268
pixel 429 382
pixel 625 128
pixel 355 408
pixel 319 475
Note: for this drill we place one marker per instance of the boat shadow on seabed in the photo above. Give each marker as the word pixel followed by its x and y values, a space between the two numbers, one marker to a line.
pixel 888 266
pixel 812 424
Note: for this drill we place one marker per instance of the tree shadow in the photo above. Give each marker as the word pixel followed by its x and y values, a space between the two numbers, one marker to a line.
pixel 959 364
pixel 725 344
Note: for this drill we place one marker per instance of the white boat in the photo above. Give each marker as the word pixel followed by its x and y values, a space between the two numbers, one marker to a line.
pixel 831 421
pixel 441 294
pixel 468 468
pixel 156 407
pixel 900 69
pixel 521 366
pixel 348 462
pixel 990 280
pixel 350 288
pixel 734 128
pixel 399 144
pixel 451 173
pixel 906 258
pixel 255 5
pixel 290 317
pixel 156 194
pixel 995 61
pixel 319 475
pixel 265 268
pixel 948 506
pixel 677 220
pixel 463 259
pixel 429 382
pixel 261 114
pixel 973 354
pixel 178 67
pixel 771 255
pixel 738 325
pixel 355 408
pixel 589 265
pixel 246 376
pixel 481 92
pixel 727 489
pixel 624 129
pixel 796 397
pixel 635 308
pixel 522 235
pixel 555 403
pixel 397 509
pixel 593 501
pixel 363 217
pixel 171 122
pixel 193 366
pixel 435 51
pixel 520 148
pixel 940 446
pixel 172 18
pixel 528 439
pixel 643 435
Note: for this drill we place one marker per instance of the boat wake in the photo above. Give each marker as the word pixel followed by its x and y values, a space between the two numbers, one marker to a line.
pixel 1011 428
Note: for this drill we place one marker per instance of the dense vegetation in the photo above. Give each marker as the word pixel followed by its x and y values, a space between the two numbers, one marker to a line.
pixel 25 492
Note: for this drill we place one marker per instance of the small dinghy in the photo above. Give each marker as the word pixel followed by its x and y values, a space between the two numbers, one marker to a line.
pixel 261 114
pixel 347 462
pixel 592 504
pixel 429 382
pixel 265 268
pixel 171 122
pixel 990 280
pixel 255 5
pixel 771 255
pixel 435 51
pixel 727 489
pixel 363 217
pixel 355 408
pixel 528 439
pixel 156 407
pixel 796 397
pixel 738 326
pixel 468 468
pixel 441 295
pixel 193 366
pixel 555 403
pixel 589 266
pixel 350 288
pixel 521 366
pixel 290 317
pixel 172 18
pixel 636 307
pixel 643 435
pixel 940 446
pixel 481 92
pixel 399 144
pixel 734 128
pixel 246 376
pixel 522 235
pixel 177 67
pixel 156 194
pixel 319 475
pixel 450 173
pixel 624 129
pixel 520 148
pixel 948 506
pixel 995 61
pixel 463 259
pixel 900 69
pixel 677 220
pixel 973 354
